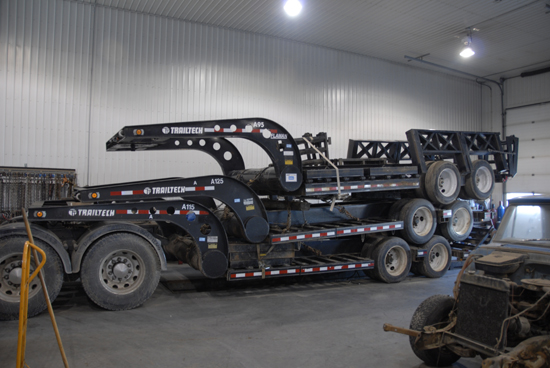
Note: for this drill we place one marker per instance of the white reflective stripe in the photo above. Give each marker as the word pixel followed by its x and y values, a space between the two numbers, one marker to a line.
pixel 127 192
pixel 323 268
pixel 347 231
pixel 209 188
pixel 386 227
pixel 367 185
pixel 331 233
pixel 397 226
pixel 189 189
pixel 361 229
pixel 239 275
pixel 393 185
pixel 317 235
pixel 177 212
pixel 325 189
pixel 355 187
pixel 307 269
pixel 209 130
pixel 372 228
pixel 309 190
pixel 351 266
pixel 275 272
pixel 337 267
pixel 129 212
pixel 365 264
pixel 291 271
pixel 285 238
pixel 300 236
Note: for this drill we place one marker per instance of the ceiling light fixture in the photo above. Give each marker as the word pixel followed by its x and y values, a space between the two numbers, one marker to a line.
pixel 467 51
pixel 293 7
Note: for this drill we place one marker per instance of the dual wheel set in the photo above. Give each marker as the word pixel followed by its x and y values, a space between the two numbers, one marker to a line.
pixel 121 271
pixel 441 185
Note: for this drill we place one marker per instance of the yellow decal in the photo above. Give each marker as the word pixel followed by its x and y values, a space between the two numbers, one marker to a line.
pixel 250 208
pixel 289 162
pixel 212 246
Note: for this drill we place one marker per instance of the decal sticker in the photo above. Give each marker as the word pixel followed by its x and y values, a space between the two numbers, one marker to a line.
pixel 248 201
pixel 147 190
pixel 288 145
pixel 99 213
pixel 212 245
pixel 291 178
pixel 237 200
pixel 212 239
pixel 289 162
pixel 216 181
pixel 202 239
pixel 288 153
pixel 279 136
pixel 167 190
pixel 72 212
pixel 166 130
pixel 189 207
pixel 250 208
pixel 184 130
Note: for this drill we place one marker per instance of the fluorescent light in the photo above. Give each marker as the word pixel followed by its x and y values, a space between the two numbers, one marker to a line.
pixel 293 7
pixel 467 52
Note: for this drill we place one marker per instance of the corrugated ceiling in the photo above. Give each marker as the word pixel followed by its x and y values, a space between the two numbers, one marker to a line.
pixel 513 36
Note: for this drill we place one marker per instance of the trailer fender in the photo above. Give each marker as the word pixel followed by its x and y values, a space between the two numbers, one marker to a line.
pixel 45 235
pixel 95 234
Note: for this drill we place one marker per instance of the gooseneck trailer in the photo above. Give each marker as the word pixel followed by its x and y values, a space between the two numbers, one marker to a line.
pixel 387 209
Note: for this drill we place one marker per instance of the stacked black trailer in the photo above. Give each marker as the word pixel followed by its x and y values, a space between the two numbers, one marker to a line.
pixel 376 210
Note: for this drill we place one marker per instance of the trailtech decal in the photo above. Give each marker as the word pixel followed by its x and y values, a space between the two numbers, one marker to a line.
pixel 182 130
pixel 92 213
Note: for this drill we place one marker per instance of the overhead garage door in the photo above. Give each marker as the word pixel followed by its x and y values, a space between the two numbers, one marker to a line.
pixel 532 126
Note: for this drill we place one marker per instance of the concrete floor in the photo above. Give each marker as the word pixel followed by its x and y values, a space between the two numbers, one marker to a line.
pixel 192 322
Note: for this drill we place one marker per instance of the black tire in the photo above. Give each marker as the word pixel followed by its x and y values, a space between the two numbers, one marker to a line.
pixel 432 311
pixel 442 182
pixel 11 255
pixel 420 192
pixel 396 207
pixel 419 221
pixel 392 260
pixel 460 225
pixel 437 260
pixel 120 271
pixel 368 247
pixel 480 182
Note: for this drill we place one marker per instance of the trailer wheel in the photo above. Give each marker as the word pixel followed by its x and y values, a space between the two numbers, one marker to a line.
pixel 11 256
pixel 433 311
pixel 481 181
pixel 437 260
pixel 392 260
pixel 369 245
pixel 120 271
pixel 442 182
pixel 419 224
pixel 459 227
pixel 395 209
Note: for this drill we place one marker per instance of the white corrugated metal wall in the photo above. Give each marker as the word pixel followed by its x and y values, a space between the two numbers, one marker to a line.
pixel 527 118
pixel 74 74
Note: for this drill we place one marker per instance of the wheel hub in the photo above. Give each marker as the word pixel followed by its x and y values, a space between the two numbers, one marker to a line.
pixel 15 275
pixel 120 268
pixel 121 272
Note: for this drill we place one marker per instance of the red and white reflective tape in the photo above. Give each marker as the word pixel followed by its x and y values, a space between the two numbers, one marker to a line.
pixel 159 212
pixel 198 189
pixel 237 130
pixel 337 268
pixel 303 236
pixel 126 192
pixel 447 213
pixel 295 271
pixel 138 192
pixel 357 187
pixel 421 252
pixel 370 228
